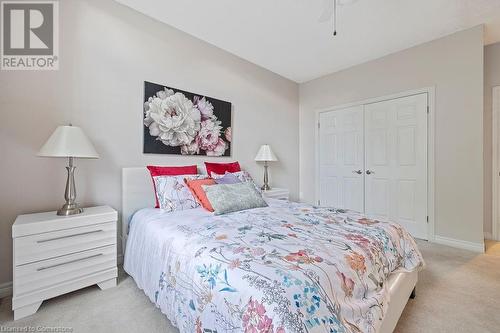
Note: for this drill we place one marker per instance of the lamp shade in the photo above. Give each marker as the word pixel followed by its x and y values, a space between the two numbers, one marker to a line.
pixel 68 141
pixel 265 154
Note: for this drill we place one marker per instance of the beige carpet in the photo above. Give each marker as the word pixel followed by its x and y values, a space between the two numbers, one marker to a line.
pixel 458 292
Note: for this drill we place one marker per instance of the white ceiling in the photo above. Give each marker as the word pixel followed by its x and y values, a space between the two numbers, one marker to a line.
pixel 287 37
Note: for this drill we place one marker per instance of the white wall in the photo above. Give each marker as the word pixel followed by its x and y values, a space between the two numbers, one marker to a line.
pixel 454 65
pixel 491 79
pixel 107 51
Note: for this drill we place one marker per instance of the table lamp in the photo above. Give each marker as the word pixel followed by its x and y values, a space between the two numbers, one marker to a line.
pixel 265 154
pixel 69 142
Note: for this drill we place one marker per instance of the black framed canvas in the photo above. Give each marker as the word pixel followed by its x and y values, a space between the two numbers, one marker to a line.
pixel 184 123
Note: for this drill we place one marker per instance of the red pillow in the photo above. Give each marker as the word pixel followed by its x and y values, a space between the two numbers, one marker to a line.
pixel 194 186
pixel 170 171
pixel 221 168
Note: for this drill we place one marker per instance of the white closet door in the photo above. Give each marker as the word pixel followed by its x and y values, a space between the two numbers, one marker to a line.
pixel 396 162
pixel 341 181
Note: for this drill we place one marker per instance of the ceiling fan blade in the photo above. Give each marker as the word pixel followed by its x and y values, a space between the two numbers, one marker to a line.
pixel 327 11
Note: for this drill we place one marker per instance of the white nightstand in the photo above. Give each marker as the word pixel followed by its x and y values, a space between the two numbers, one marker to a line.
pixel 54 255
pixel 277 193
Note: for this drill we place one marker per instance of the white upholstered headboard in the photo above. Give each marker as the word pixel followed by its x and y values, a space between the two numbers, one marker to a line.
pixel 137 193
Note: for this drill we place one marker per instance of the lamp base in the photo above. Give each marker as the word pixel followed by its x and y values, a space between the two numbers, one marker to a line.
pixel 69 209
pixel 266 186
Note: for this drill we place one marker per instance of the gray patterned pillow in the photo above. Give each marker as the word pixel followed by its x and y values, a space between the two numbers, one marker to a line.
pixel 227 198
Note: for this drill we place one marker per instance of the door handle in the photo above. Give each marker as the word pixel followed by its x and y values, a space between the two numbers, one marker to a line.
pixel 369 172
pixel 357 171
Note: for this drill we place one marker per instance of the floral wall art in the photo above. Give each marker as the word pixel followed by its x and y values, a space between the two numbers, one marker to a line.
pixel 180 122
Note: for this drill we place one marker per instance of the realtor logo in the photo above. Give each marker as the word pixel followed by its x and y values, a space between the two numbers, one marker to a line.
pixel 29 35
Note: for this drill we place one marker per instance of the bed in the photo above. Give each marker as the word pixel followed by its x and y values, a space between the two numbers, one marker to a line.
pixel 289 267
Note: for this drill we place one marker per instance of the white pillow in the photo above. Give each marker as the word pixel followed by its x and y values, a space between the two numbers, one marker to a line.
pixel 173 194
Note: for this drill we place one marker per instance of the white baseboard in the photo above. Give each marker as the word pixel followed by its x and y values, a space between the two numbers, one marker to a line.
pixel 475 247
pixel 488 235
pixel 5 289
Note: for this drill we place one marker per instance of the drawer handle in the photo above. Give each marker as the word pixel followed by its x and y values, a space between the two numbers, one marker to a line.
pixel 62 237
pixel 69 262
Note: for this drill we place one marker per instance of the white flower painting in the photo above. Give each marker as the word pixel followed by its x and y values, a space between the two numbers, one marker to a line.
pixel 179 122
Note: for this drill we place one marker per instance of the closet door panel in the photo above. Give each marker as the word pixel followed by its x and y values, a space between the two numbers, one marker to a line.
pixel 396 162
pixel 341 159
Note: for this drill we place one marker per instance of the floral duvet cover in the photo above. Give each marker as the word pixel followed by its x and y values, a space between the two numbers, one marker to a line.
pixel 288 267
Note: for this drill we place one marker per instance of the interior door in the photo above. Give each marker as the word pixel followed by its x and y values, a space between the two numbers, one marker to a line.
pixel 341 158
pixel 396 162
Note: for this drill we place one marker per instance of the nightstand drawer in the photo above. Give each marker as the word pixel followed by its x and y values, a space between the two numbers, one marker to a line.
pixel 48 273
pixel 279 197
pixel 276 193
pixel 48 245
